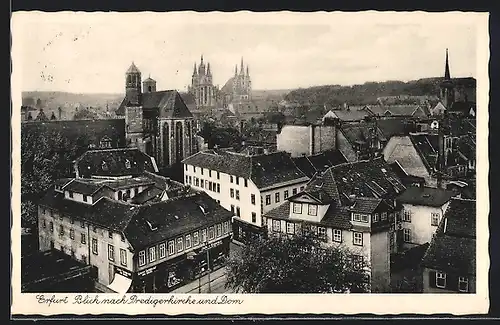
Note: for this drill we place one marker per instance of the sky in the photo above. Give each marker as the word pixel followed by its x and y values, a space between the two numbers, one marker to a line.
pixel 90 52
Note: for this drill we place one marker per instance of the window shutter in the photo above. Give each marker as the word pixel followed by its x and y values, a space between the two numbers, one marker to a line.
pixel 432 279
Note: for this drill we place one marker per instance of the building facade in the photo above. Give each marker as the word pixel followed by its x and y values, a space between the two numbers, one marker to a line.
pixel 306 140
pixel 422 211
pixel 202 87
pixel 342 212
pixel 245 184
pixel 157 122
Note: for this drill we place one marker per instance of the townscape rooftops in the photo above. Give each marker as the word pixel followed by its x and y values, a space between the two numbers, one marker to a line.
pixel 427 147
pixel 114 162
pixel 310 165
pixel 360 133
pixel 365 205
pixel 265 170
pixel 460 219
pixel 350 114
pixel 399 110
pixel 167 219
pixel 169 104
pixel 425 196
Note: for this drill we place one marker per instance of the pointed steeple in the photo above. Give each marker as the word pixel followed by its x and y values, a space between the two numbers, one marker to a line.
pixel 242 71
pixel 208 69
pixel 248 74
pixel 236 70
pixel 447 68
pixel 195 72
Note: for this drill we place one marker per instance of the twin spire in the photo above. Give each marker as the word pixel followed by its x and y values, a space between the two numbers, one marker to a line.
pixel 242 72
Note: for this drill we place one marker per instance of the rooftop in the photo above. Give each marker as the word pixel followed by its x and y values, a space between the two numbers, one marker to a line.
pixel 167 104
pixel 265 170
pixel 425 196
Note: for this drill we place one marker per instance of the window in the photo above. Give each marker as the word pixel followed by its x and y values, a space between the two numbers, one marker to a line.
pixel 51 226
pixel 440 279
pixel 83 239
pixel 232 208
pixel 197 181
pixel 110 234
pixel 196 239
pixel 94 246
pixel 277 197
pixel 194 169
pixel 180 245
pixel 120 195
pixel 357 238
pixel 142 258
pixel 210 186
pixel 375 217
pixel 111 253
pixel 72 233
pixel 237 180
pixel 202 184
pixel 123 257
pixel 383 216
pixel 312 210
pixel 407 235
pixel 209 173
pixel 238 213
pixel 254 217
pixel 218 175
pixel 211 233
pixel 71 194
pixel 246 182
pixel 187 179
pixel 188 241
pixel 85 198
pixel 162 251
pixel 294 191
pixel 225 227
pixel 276 225
pixel 337 235
pixel 407 215
pixel 252 198
pixel 463 284
pixel 94 229
pixel 203 235
pixel 360 217
pixel 231 179
pixel 127 163
pixel 201 170
pixel 301 188
pixel 285 194
pixel 171 247
pixel 231 193
pixel 218 188
pixel 268 199
pixel 237 194
pixel 297 208
pixel 290 228
pixel 190 181
pixel 186 167
pixel 434 219
pixel 61 230
pixel 219 230
pixel 322 233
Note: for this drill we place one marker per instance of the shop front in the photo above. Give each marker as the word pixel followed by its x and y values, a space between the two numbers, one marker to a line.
pixel 181 270
pixel 244 232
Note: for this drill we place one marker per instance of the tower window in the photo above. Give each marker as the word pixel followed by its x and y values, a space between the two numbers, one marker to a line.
pixel 150 89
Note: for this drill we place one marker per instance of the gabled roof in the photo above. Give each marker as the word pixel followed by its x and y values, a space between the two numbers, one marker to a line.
pixel 114 162
pixel 168 103
pixel 426 146
pixel 348 115
pixel 82 187
pixel 461 218
pixel 365 205
pixel 265 170
pixel 360 133
pixel 425 196
pixel 310 165
pixel 174 217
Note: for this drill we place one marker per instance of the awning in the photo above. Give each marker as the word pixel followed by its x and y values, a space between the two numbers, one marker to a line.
pixel 120 284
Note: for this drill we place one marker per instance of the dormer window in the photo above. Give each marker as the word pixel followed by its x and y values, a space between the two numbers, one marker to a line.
pixel 297 208
pixel 127 163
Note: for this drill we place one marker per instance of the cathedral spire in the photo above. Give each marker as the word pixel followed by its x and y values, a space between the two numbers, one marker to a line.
pixel 208 69
pixel 447 68
pixel 242 71
pixel 236 70
pixel 201 60
pixel 248 74
pixel 195 72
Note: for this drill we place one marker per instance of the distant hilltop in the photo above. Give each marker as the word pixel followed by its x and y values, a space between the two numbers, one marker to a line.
pixel 369 93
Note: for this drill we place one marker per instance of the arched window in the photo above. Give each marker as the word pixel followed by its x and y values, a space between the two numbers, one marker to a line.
pixel 150 89
pixel 129 79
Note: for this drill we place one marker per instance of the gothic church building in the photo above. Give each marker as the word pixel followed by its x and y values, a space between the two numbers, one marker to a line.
pixel 202 87
pixel 157 122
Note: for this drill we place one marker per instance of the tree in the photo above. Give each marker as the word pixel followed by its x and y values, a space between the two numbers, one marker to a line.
pixel 295 264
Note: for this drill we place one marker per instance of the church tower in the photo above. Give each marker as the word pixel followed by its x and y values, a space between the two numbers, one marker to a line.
pixel 133 108
pixel 447 94
pixel 149 85
pixel 202 87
